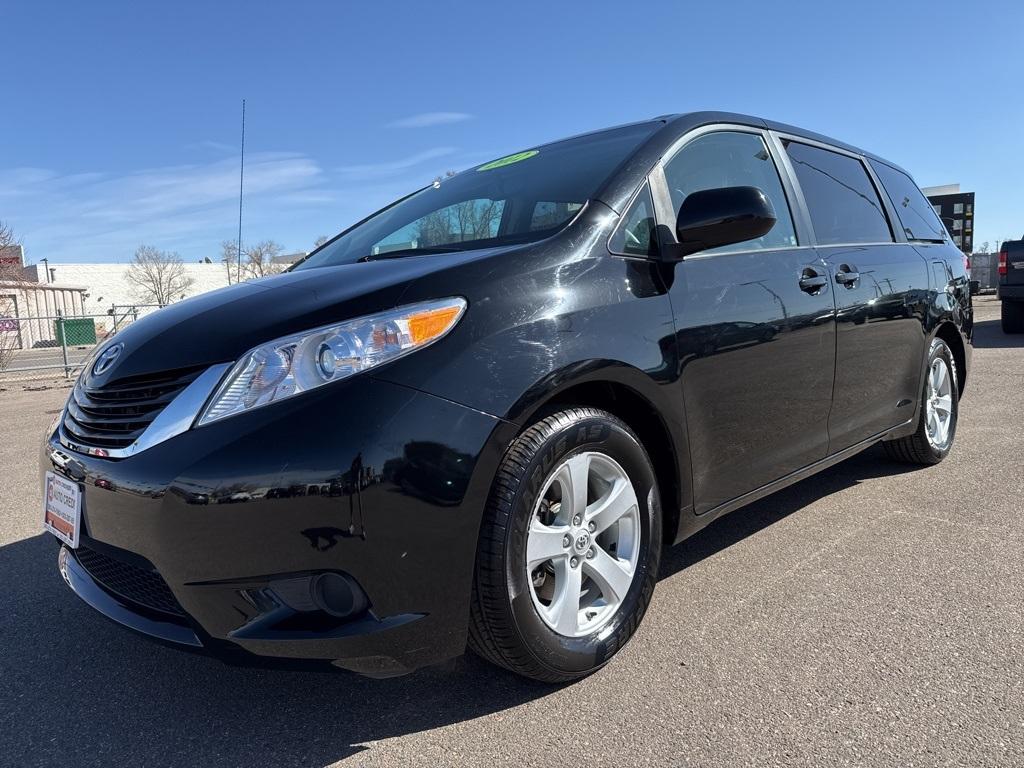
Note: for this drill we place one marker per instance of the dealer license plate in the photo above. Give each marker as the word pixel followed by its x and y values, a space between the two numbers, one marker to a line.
pixel 62 508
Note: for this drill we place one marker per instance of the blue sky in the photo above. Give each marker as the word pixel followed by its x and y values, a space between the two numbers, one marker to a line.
pixel 120 121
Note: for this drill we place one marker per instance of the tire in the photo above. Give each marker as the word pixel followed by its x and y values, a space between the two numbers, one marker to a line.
pixel 511 625
pixel 1012 313
pixel 929 444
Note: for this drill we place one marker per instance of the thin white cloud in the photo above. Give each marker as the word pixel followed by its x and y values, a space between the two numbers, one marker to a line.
pixel 209 145
pixel 428 119
pixel 289 197
pixel 366 171
pixel 94 216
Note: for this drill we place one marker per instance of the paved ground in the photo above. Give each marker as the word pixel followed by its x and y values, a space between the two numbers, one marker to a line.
pixel 868 616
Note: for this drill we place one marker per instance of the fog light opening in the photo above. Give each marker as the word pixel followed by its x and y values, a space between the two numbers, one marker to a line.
pixel 337 595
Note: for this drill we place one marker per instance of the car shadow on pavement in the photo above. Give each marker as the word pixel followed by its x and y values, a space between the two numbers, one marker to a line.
pixel 76 688
pixel 747 521
pixel 988 334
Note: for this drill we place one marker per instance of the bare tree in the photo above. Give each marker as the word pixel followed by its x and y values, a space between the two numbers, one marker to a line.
pixel 229 257
pixel 259 260
pixel 12 276
pixel 7 235
pixel 320 241
pixel 159 277
pixel 468 220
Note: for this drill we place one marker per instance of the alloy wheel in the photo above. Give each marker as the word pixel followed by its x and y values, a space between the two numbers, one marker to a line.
pixel 583 544
pixel 939 405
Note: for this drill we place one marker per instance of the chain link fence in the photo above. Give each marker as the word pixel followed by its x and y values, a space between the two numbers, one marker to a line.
pixel 56 346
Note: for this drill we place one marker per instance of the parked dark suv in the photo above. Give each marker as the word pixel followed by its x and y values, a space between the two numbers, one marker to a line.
pixel 1011 285
pixel 476 416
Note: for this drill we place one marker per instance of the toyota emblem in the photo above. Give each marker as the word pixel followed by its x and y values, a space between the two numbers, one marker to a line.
pixel 106 359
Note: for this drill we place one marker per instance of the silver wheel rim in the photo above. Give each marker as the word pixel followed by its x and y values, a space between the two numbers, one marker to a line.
pixel 939 406
pixel 583 544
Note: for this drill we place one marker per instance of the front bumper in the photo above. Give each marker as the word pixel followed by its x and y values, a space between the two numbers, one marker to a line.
pixel 371 480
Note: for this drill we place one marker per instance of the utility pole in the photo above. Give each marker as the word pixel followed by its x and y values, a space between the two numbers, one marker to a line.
pixel 241 179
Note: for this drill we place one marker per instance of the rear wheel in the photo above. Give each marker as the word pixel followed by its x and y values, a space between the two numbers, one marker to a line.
pixel 940 409
pixel 1013 316
pixel 569 548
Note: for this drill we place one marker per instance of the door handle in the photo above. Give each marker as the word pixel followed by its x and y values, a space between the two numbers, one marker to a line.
pixel 812 281
pixel 847 275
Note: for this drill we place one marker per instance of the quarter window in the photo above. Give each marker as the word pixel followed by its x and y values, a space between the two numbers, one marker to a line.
pixel 635 234
pixel 841 199
pixel 732 159
pixel 920 219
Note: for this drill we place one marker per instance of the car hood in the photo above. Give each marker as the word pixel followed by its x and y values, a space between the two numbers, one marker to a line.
pixel 220 326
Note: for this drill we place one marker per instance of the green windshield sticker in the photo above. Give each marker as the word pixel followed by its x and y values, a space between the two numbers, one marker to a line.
pixel 508 160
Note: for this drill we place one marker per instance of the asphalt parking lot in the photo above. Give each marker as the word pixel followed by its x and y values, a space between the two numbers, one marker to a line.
pixel 871 615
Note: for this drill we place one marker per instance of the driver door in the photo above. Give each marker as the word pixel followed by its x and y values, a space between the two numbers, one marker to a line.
pixel 755 326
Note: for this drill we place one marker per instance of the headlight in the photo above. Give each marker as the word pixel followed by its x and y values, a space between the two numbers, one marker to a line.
pixel 305 361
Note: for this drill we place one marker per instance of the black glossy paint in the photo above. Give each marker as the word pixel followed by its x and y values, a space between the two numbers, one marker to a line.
pixel 741 371
pixel 711 218
pixel 757 355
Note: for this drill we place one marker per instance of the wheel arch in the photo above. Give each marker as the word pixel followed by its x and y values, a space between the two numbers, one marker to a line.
pixel 949 333
pixel 619 390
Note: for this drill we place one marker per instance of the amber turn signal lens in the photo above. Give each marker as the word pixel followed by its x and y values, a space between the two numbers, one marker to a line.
pixel 424 326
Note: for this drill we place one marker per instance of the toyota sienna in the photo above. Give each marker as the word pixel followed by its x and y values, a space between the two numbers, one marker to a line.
pixel 476 417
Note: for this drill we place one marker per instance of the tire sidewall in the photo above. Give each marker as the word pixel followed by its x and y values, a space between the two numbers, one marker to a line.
pixel 583 654
pixel 939 349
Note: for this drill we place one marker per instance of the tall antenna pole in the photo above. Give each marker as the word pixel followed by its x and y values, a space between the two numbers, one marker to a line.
pixel 241 179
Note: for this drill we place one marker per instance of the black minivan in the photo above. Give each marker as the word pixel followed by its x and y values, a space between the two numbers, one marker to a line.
pixel 476 417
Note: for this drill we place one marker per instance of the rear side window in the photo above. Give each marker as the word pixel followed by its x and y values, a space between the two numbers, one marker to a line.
pixel 841 199
pixel 916 214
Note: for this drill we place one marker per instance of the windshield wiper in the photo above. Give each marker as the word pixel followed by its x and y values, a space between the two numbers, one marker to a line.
pixel 402 252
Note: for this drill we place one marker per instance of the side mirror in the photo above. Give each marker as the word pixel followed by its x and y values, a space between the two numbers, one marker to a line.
pixel 714 217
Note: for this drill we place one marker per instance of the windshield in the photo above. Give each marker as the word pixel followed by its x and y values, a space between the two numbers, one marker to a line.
pixel 516 199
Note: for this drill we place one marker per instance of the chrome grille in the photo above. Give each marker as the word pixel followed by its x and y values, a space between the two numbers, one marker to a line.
pixel 115 416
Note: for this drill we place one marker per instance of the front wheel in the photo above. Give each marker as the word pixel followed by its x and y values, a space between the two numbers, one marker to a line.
pixel 940 408
pixel 569 548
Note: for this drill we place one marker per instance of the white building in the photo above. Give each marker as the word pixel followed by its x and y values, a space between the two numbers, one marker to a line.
pixel 107 285
pixel 28 312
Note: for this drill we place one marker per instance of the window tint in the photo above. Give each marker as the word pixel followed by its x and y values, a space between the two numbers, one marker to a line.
pixel 635 234
pixel 840 197
pixel 732 159
pixel 919 218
